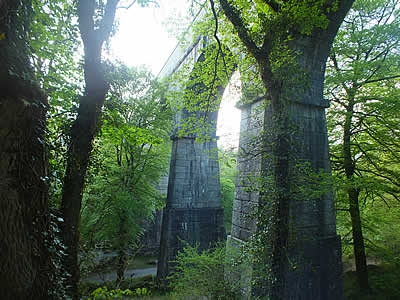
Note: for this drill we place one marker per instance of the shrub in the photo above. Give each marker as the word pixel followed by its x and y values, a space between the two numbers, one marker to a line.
pixel 202 275
pixel 103 293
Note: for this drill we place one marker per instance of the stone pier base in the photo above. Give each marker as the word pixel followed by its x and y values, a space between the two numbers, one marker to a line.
pixel 194 226
pixel 317 273
pixel 316 270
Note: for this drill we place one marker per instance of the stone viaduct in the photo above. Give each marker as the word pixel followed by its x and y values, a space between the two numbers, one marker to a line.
pixel 194 213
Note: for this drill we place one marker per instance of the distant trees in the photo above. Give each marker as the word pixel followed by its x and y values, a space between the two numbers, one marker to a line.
pixel 131 155
pixel 362 83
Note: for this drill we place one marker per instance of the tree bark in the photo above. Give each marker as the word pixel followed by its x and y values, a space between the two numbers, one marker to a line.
pixel 358 241
pixel 123 246
pixel 122 265
pixel 25 264
pixel 353 194
pixel 84 129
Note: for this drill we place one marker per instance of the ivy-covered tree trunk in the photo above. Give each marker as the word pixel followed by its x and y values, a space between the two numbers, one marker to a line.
pixel 25 264
pixel 84 128
pixel 291 50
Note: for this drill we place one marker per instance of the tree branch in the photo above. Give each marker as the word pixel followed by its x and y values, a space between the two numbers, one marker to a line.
pixel 128 6
pixel 380 79
pixel 85 19
pixel 234 17
pixel 108 20
pixel 273 4
pixel 218 41
pixel 335 17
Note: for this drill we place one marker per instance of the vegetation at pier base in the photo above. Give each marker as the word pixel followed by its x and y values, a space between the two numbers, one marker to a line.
pixel 85 142
pixel 212 273
pixel 204 273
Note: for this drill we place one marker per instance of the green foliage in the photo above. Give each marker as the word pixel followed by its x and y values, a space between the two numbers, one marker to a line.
pixel 105 294
pixel 202 274
pixel 307 15
pixel 273 25
pixel 142 287
pixel 308 183
pixel 54 44
pixel 252 85
pixel 362 79
pixel 198 98
pixel 131 155
pixel 227 197
pixel 380 229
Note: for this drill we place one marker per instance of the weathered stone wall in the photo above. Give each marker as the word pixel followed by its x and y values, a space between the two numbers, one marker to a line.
pixel 247 191
pixel 193 213
pixel 194 182
pixel 249 167
pixel 315 270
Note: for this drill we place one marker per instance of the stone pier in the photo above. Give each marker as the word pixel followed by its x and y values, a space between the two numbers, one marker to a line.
pixel 314 253
pixel 193 213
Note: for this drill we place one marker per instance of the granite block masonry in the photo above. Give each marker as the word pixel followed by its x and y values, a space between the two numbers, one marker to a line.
pixel 314 250
pixel 193 213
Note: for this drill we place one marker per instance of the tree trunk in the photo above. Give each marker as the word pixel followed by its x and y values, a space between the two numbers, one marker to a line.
pixel 25 265
pixel 122 265
pixel 84 129
pixel 123 245
pixel 82 134
pixel 353 194
pixel 358 241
